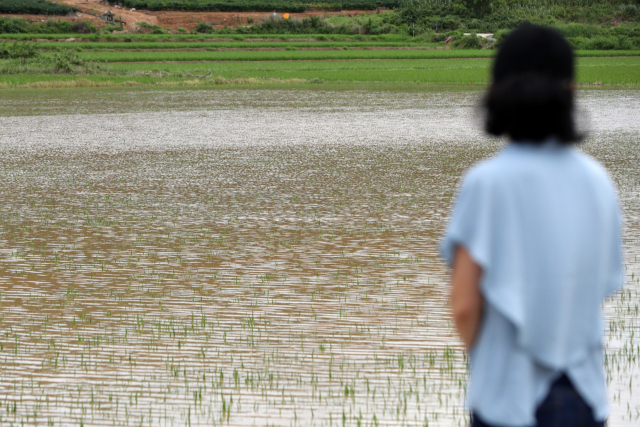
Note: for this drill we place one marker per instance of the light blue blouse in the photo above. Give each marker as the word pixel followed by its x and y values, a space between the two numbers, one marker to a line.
pixel 543 223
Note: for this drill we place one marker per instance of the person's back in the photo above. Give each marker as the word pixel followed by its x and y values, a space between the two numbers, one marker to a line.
pixel 538 229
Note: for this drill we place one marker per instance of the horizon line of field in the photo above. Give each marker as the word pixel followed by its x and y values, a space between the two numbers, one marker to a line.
pixel 310 55
pixel 336 60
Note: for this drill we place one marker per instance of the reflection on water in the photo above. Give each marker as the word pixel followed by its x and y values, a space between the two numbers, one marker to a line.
pixel 269 257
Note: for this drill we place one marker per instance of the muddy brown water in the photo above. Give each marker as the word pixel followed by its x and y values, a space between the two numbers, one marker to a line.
pixel 254 257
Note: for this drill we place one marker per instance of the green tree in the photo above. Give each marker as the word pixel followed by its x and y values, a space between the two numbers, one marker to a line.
pixel 480 7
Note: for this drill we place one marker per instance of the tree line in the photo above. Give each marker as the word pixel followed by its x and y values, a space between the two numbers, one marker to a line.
pixel 34 7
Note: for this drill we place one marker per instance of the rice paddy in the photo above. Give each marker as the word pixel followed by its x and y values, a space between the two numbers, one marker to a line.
pixel 590 70
pixel 598 71
pixel 255 257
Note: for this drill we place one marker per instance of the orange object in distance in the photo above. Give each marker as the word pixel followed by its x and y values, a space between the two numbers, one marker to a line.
pixel 286 16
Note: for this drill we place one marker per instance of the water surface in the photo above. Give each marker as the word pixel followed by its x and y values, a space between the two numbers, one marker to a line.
pixel 253 257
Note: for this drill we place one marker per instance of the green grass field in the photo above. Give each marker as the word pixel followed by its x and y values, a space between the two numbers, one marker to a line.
pixel 617 71
pixel 145 45
pixel 260 59
pixel 590 70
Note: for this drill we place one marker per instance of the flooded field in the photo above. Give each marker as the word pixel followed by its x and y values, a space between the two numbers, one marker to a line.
pixel 255 257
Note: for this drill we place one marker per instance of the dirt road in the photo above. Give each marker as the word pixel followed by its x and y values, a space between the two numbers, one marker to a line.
pixel 95 7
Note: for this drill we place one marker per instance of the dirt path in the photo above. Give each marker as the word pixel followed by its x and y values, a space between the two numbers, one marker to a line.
pixel 189 20
pixel 94 7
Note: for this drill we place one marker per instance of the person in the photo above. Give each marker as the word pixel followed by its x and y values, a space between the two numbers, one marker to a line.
pixel 534 242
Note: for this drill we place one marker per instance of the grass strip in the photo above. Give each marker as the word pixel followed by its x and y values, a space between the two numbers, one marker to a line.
pixel 591 71
pixel 282 55
pixel 452 71
pixel 222 45
pixel 306 55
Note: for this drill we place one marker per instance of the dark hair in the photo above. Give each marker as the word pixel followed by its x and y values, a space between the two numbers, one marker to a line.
pixel 531 94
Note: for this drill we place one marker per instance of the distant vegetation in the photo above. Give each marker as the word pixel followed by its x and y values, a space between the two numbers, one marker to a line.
pixel 23 58
pixel 293 6
pixel 447 13
pixel 588 24
pixel 493 15
pixel 50 26
pixel 34 7
pixel 422 17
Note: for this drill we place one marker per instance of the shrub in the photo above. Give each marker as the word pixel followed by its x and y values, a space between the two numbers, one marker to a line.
pixel 51 26
pixel 629 11
pixel 28 61
pixel 112 28
pixel 204 28
pixel 12 26
pixel 34 7
pixel 602 43
pixel 579 30
pixel 626 30
pixel 471 41
pixel 480 7
pixel 66 62
pixel 313 25
pixel 84 27
pixel 22 51
pixel 627 43
pixel 500 36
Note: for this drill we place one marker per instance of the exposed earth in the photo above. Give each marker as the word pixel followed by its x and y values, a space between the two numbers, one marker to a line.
pixel 175 19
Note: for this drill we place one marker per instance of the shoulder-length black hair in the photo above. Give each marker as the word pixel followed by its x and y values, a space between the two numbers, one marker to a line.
pixel 531 97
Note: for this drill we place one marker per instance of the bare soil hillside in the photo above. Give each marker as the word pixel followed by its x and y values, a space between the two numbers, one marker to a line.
pixel 187 20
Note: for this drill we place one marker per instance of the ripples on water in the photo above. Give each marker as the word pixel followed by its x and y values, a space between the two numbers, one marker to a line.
pixel 254 257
